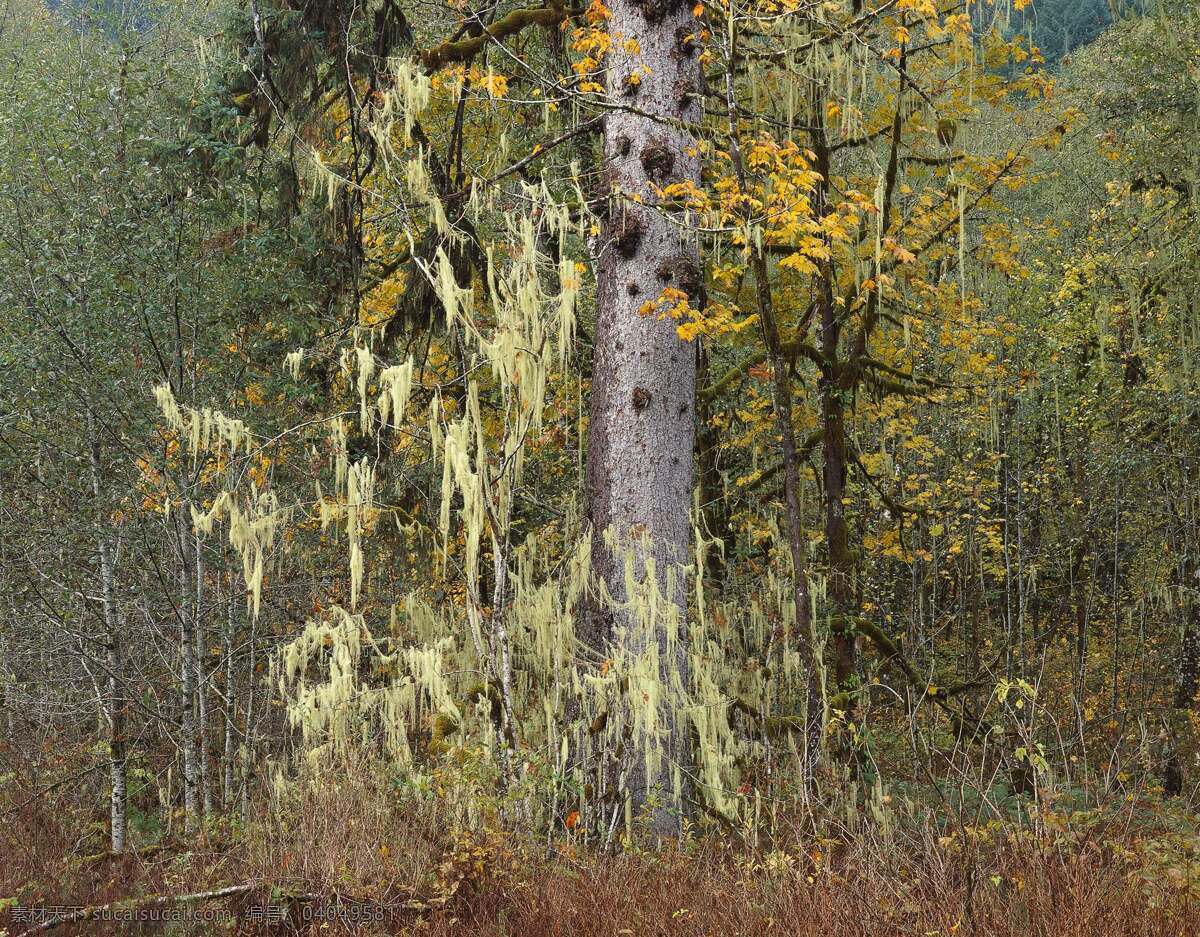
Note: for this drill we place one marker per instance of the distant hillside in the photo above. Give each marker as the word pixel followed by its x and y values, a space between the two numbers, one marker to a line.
pixel 1057 27
pixel 135 14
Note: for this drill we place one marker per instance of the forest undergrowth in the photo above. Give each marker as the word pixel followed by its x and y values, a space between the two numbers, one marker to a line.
pixel 356 858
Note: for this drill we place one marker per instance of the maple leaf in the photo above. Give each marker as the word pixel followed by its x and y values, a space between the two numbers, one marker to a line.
pixel 899 251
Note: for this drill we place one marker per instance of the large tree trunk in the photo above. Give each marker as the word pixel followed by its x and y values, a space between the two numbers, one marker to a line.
pixel 642 426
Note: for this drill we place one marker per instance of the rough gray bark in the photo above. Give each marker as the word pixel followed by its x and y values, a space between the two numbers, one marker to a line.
pixel 642 424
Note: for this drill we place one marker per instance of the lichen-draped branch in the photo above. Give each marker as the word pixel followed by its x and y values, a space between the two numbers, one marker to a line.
pixel 463 49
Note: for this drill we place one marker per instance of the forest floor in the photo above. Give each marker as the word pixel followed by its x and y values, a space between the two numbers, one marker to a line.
pixel 368 867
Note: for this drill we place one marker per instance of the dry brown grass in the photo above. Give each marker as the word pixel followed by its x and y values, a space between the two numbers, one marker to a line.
pixel 352 838
pixel 1014 891
pixel 355 842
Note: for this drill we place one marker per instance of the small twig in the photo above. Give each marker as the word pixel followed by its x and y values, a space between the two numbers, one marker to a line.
pixel 57 784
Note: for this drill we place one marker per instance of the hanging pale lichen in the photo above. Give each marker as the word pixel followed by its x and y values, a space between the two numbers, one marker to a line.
pixel 325 180
pixel 253 529
pixel 292 362
pixel 410 92
pixel 204 430
pixel 366 370
pixel 341 454
pixel 253 524
pixel 395 387
pixel 359 496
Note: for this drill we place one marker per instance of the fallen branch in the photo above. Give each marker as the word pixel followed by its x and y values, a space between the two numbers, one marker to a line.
pixel 154 901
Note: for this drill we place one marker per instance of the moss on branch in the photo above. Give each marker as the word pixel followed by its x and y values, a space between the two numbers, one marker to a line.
pixel 463 49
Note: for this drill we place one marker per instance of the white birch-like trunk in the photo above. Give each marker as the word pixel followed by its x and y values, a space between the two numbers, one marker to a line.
pixel 115 708
pixel 231 701
pixel 247 751
pixel 202 683
pixel 187 676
